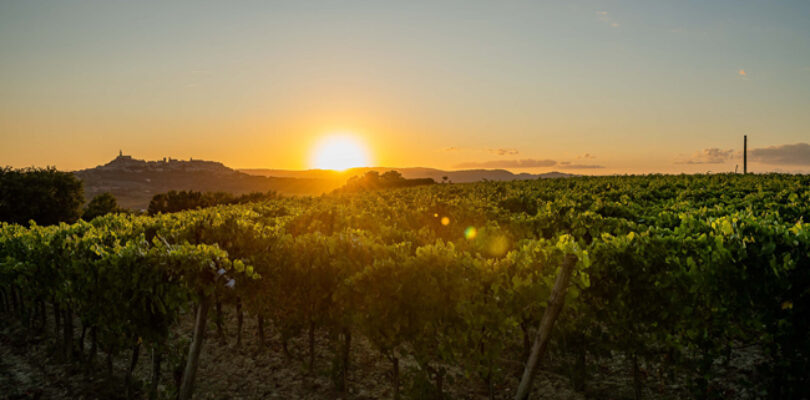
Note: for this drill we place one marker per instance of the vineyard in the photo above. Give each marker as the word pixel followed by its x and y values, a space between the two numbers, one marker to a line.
pixel 700 285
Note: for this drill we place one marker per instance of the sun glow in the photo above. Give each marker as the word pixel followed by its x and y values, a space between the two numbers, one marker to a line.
pixel 339 152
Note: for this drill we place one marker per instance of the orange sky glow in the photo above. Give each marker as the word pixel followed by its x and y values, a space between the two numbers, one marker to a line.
pixel 583 87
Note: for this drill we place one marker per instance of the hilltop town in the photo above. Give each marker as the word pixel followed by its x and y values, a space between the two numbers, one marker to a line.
pixel 126 163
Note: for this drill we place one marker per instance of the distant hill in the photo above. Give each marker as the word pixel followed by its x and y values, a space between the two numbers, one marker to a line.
pixel 462 176
pixel 133 182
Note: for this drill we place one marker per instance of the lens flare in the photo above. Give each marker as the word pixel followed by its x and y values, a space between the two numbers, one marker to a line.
pixel 445 221
pixel 470 232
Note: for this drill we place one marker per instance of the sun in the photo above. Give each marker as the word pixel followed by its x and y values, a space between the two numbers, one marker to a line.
pixel 339 152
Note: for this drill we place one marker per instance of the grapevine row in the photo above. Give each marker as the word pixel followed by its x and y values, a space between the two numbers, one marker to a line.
pixel 677 271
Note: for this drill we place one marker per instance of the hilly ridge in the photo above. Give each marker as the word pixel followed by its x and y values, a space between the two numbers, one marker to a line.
pixel 460 176
pixel 134 182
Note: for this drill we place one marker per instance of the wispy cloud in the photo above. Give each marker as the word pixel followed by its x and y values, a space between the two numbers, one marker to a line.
pixel 586 156
pixel 708 156
pixel 604 17
pixel 451 148
pixel 786 154
pixel 504 152
pixel 525 163
pixel 569 165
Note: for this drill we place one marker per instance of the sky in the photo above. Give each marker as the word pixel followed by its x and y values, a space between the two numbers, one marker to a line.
pixel 591 87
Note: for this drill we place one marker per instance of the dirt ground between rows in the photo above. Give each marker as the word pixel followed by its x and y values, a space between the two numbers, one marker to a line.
pixel 31 369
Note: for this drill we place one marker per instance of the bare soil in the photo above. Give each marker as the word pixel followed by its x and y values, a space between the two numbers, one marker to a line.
pixel 30 368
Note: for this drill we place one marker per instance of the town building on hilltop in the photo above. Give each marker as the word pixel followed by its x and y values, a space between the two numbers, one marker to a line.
pixel 125 163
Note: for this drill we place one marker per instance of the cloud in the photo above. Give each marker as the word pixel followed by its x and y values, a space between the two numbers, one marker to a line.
pixel 586 156
pixel 786 154
pixel 504 152
pixel 528 163
pixel 568 165
pixel 525 163
pixel 709 156
pixel 604 17
pixel 501 151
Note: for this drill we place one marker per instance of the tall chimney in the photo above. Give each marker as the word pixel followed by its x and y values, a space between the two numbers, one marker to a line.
pixel 745 154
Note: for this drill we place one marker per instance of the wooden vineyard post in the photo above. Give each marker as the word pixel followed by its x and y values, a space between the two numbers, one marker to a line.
pixel 157 358
pixel 555 304
pixel 187 386
pixel 745 154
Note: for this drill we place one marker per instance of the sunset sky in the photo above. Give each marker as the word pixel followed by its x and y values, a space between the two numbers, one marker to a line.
pixel 592 87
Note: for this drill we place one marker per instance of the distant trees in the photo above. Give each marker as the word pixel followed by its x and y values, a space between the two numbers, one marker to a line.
pixel 44 195
pixel 102 204
pixel 372 180
pixel 175 201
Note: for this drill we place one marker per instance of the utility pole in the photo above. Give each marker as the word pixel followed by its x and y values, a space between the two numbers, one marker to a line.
pixel 745 154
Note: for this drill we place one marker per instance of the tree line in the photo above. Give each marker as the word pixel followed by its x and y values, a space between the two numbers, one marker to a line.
pixel 48 196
